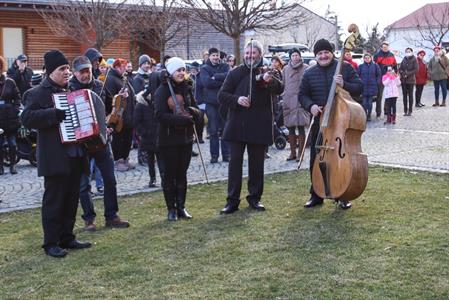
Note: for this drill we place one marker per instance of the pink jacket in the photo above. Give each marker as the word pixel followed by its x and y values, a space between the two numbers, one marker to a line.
pixel 391 83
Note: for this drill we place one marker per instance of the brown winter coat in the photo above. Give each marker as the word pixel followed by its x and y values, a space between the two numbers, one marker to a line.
pixel 408 70
pixel 294 113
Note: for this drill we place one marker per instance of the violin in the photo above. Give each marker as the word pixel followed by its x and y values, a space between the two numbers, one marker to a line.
pixel 340 169
pixel 177 105
pixel 115 118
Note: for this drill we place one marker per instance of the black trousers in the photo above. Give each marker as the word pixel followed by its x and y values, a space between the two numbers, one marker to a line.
pixel 418 93
pixel 256 159
pixel 121 143
pixel 59 205
pixel 380 91
pixel 152 157
pixel 176 160
pixel 313 137
pixel 407 93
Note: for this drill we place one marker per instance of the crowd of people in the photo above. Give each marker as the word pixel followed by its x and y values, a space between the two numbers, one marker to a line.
pixel 162 108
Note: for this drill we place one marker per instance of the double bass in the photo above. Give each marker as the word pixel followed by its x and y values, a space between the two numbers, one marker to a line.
pixel 340 169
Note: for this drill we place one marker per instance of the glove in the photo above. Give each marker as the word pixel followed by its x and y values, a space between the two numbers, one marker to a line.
pixel 60 114
pixel 196 114
pixel 164 76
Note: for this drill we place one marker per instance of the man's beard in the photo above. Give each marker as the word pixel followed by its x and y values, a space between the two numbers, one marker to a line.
pixel 255 62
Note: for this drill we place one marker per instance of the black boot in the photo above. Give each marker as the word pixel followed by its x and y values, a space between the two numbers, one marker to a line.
pixel 170 197
pixel 180 203
pixel 152 183
pixel 12 160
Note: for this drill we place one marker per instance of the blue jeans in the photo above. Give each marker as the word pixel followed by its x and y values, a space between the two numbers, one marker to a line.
pixel 216 124
pixel 98 178
pixel 105 163
pixel 368 105
pixel 437 84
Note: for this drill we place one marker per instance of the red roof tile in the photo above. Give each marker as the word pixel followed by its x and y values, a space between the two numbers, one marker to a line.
pixel 433 14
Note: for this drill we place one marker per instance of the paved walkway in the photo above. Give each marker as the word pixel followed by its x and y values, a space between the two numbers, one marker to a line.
pixel 419 142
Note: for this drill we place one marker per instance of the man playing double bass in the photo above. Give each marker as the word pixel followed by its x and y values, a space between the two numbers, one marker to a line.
pixel 313 94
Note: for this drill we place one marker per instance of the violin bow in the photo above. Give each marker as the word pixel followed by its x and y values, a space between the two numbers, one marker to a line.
pixel 301 158
pixel 251 65
pixel 173 95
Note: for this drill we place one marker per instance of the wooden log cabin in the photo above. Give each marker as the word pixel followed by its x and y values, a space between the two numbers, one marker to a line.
pixel 22 30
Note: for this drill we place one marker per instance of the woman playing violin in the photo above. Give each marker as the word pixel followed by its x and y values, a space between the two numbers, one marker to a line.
pixel 176 118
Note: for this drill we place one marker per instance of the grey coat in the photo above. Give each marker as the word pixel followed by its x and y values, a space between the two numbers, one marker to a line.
pixel 436 70
pixel 294 113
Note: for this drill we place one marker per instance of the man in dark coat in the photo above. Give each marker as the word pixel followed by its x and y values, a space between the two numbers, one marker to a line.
pixel 313 93
pixel 21 73
pixel 60 164
pixel 213 74
pixel 121 141
pixel 95 58
pixel 384 58
pixel 249 125
pixel 83 79
pixel 142 77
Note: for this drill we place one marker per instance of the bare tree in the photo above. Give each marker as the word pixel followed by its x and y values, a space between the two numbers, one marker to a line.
pixel 162 24
pixel 235 17
pixel 374 40
pixel 432 26
pixel 93 22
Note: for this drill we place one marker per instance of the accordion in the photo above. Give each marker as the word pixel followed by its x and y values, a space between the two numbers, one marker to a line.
pixel 85 120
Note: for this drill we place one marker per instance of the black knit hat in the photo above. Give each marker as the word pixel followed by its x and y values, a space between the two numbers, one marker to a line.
pixel 53 59
pixel 293 50
pixel 321 45
pixel 213 50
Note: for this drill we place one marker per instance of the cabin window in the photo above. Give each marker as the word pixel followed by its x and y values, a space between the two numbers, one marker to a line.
pixel 11 43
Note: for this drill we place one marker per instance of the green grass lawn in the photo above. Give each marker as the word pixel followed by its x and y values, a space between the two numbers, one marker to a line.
pixel 393 243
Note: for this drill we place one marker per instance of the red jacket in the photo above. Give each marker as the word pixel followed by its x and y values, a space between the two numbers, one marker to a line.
pixel 352 63
pixel 421 75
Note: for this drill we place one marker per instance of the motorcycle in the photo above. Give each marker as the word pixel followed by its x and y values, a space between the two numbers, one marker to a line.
pixel 26 147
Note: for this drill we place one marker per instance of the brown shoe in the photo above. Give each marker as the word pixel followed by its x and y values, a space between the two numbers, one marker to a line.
pixel 117 223
pixel 90 226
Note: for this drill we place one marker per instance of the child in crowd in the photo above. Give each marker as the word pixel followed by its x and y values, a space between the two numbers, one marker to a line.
pixel 391 82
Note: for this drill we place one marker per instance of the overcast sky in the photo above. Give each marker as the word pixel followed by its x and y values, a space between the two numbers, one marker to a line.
pixel 367 13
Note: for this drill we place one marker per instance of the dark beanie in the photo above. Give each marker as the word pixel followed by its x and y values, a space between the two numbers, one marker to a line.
pixel 213 50
pixel 53 59
pixel 293 50
pixel 321 45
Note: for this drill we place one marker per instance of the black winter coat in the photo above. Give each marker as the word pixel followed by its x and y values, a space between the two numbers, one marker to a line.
pixel 174 129
pixel 212 78
pixel 9 105
pixel 154 82
pixel 22 79
pixel 145 122
pixel 94 55
pixel 113 85
pixel 253 125
pixel 199 89
pixel 95 85
pixel 39 113
pixel 139 82
pixel 316 84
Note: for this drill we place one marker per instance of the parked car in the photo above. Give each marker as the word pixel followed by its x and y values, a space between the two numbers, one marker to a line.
pixel 287 47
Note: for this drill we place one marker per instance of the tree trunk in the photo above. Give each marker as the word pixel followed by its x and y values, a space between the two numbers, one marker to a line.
pixel 237 50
